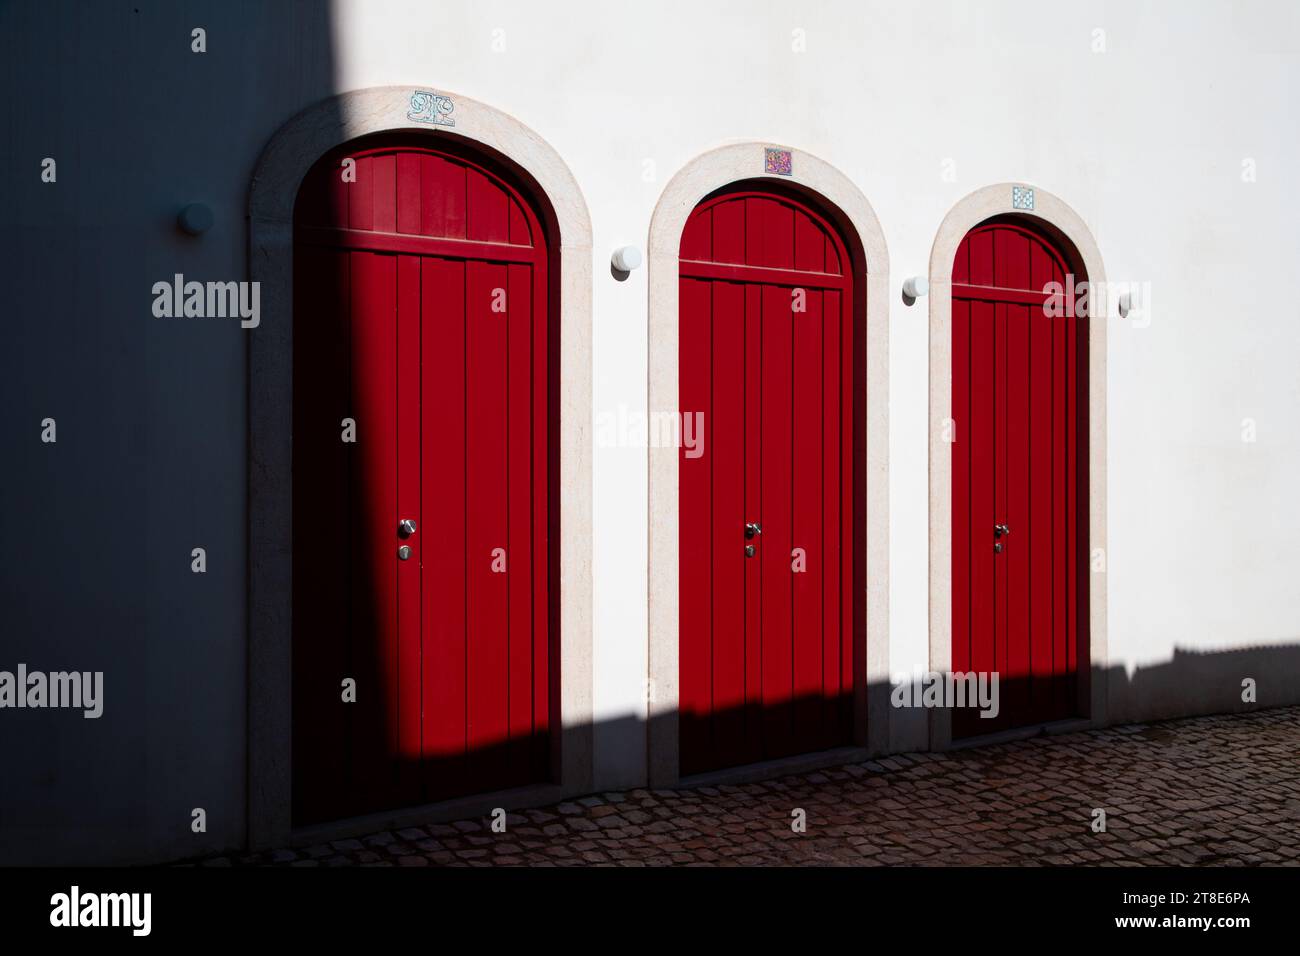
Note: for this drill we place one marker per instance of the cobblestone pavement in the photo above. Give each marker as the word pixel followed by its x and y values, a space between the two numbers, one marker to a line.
pixel 1210 790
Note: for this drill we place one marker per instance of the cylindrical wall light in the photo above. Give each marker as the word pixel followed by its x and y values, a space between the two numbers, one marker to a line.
pixel 625 258
pixel 915 286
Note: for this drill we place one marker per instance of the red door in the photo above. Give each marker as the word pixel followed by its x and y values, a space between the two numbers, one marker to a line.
pixel 1019 477
pixel 766 358
pixel 422 390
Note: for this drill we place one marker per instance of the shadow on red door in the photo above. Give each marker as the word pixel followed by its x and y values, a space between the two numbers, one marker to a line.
pixel 425 530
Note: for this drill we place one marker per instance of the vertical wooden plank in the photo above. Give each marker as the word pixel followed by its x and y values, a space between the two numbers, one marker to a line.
pixel 321 726
pixel 697 236
pixel 853 607
pixel 728 242
pixel 806 478
pixel 1010 258
pixel 1055 697
pixel 1013 269
pixel 1040 512
pixel 445 552
pixel 489 209
pixel 519 232
pixel 544 511
pixel 756 230
pixel 836 535
pixel 727 437
pixel 769 233
pixel 753 512
pixel 409 664
pixel 1082 581
pixel 981 258
pixel 1015 690
pixel 774 548
pixel 982 471
pixel 695 533
pixel 962 653
pixel 336 197
pixel 809 244
pixel 961 263
pixel 409 184
pixel 1070 325
pixel 833 264
pixel 384 172
pixel 442 198
pixel 778 234
pixel 1001 560
pixel 361 194
pixel 374 516
pixel 519 521
pixel 487 661
pixel 1059 503
pixel 1042 268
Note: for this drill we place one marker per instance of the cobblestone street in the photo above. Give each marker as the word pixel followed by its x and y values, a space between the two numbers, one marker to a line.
pixel 1211 790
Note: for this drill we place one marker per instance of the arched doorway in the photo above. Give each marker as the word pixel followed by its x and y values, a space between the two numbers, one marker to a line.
pixel 770 367
pixel 425 530
pixel 1019 458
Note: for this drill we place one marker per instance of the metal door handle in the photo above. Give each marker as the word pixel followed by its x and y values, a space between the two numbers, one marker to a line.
pixel 406 527
pixel 1000 529
pixel 752 528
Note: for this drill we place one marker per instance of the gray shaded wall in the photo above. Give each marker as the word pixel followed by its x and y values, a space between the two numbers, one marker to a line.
pixel 96 530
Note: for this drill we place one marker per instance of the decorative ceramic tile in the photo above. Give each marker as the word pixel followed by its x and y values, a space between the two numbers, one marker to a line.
pixel 778 162
pixel 432 108
pixel 1022 197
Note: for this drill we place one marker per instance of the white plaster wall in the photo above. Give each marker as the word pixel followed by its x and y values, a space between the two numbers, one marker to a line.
pixel 1145 140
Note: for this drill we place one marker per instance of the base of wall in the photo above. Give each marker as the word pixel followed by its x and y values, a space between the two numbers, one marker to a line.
pixel 1070 726
pixel 771 769
pixel 462 808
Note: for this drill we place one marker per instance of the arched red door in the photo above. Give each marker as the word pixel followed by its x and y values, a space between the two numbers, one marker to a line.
pixel 1019 475
pixel 423 483
pixel 767 346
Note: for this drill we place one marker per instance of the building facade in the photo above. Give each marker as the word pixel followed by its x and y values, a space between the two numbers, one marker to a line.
pixel 940 337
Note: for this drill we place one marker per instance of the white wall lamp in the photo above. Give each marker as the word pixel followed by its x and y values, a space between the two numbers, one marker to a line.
pixel 195 219
pixel 914 287
pixel 624 260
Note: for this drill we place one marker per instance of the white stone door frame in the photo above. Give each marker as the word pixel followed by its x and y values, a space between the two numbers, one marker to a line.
pixel 832 189
pixel 288 156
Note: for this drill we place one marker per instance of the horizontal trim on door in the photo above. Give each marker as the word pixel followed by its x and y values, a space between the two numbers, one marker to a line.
pixel 368 241
pixel 692 269
pixel 991 293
